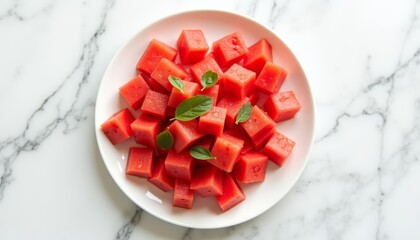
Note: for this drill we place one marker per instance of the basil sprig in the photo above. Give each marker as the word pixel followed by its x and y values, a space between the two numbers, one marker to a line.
pixel 176 83
pixel 164 140
pixel 201 153
pixel 208 79
pixel 193 107
pixel 244 113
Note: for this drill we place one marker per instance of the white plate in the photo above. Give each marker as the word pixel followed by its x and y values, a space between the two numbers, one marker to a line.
pixel 205 212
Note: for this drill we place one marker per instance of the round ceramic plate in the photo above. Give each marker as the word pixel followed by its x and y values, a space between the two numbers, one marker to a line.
pixel 205 212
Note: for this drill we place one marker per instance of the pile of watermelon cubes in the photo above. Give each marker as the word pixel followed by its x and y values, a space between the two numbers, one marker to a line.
pixel 241 151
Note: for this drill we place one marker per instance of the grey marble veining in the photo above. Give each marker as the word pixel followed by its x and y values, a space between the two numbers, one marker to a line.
pixel 125 231
pixel 33 135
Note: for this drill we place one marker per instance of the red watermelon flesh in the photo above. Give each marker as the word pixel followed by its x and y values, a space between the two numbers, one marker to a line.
pixel 176 97
pixel 212 122
pixel 238 81
pixel 207 64
pixel 140 162
pixel 153 54
pixel 185 134
pixel 117 127
pixel 212 92
pixel 282 106
pixel 251 167
pixel 155 104
pixel 271 78
pixel 192 46
pixel 179 165
pixel 233 105
pixel 207 181
pixel 232 194
pixel 166 68
pixel 160 178
pixel 145 129
pixel 134 91
pixel 257 125
pixel 155 86
pixel 183 195
pixel 226 149
pixel 229 49
pixel 259 54
pixel 278 148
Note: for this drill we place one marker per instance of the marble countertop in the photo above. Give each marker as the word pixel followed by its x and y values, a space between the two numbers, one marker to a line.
pixel 362 180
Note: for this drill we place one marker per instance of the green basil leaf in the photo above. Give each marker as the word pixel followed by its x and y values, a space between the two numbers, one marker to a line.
pixel 164 140
pixel 208 79
pixel 201 153
pixel 193 107
pixel 176 82
pixel 244 113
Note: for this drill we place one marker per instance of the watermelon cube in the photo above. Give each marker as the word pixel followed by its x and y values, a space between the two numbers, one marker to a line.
pixel 117 127
pixel 229 49
pixel 212 92
pixel 182 67
pixel 160 178
pixel 238 81
pixel 247 146
pixel 179 165
pixel 145 76
pixel 207 181
pixel 134 91
pixel 282 106
pixel 140 162
pixel 258 55
pixel 153 54
pixel 192 46
pixel 226 149
pixel 278 148
pixel 145 129
pixel 213 121
pixel 183 195
pixel 207 64
pixel 155 104
pixel 155 86
pixel 250 167
pixel 271 78
pixel 185 134
pixel 258 125
pixel 232 194
pixel 260 142
pixel 232 106
pixel 206 142
pixel 238 132
pixel 254 96
pixel 164 69
pixel 176 97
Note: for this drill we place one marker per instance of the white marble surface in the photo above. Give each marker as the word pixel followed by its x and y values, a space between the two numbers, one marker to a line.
pixel 362 59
